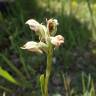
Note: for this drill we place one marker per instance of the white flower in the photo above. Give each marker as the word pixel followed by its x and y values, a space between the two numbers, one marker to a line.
pixel 35 47
pixel 33 24
pixel 32 46
pixel 40 30
pixel 57 40
pixel 45 36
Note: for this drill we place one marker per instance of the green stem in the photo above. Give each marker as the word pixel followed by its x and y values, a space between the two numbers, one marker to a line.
pixel 48 69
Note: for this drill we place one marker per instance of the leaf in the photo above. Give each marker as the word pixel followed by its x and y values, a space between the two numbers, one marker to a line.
pixel 11 65
pixel 83 83
pixel 7 76
pixel 42 84
pixel 23 63
pixel 22 82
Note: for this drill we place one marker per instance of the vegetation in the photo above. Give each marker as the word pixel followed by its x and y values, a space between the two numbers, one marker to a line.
pixel 74 64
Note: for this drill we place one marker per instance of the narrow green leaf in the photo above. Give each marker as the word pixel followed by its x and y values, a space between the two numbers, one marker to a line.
pixel 9 63
pixel 7 76
pixel 42 84
pixel 23 63
pixel 89 82
pixel 22 82
pixel 83 83
pixel 92 90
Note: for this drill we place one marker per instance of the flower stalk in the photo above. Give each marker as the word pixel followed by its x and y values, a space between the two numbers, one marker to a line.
pixel 48 69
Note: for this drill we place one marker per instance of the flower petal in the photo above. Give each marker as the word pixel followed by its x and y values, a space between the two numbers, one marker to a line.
pixel 32 46
pixel 34 25
pixel 39 29
pixel 35 47
pixel 57 40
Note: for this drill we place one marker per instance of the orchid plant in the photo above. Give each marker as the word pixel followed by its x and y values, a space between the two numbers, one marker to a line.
pixel 47 43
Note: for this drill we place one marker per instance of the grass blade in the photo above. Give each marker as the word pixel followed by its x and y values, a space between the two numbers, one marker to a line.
pixel 42 84
pixel 7 76
pixel 13 67
pixel 83 83
pixel 23 64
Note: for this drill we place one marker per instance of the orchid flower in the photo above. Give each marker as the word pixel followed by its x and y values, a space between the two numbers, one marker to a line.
pixel 57 40
pixel 52 26
pixel 45 34
pixel 47 42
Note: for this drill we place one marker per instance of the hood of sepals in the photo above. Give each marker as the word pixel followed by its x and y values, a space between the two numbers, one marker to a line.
pixel 35 47
pixel 40 29
pixel 33 24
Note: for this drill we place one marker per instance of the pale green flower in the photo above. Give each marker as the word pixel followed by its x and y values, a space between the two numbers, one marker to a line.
pixel 35 47
pixel 45 36
pixel 39 29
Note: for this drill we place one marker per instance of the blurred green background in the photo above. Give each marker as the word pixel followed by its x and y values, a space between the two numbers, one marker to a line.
pixel 74 63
